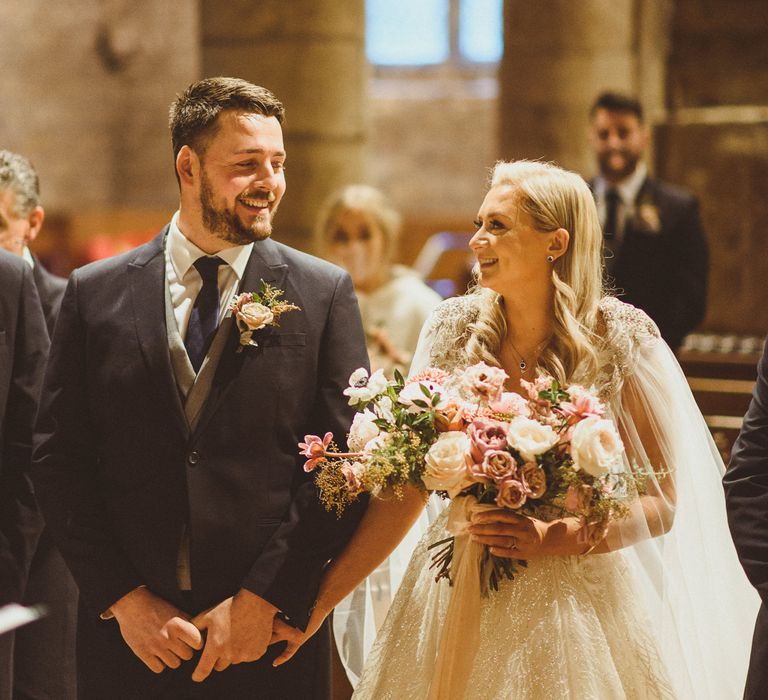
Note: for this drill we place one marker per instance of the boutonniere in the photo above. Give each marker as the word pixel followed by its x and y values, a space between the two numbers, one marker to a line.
pixel 256 310
pixel 647 218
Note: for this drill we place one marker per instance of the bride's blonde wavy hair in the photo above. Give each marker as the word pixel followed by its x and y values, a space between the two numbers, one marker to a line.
pixel 554 198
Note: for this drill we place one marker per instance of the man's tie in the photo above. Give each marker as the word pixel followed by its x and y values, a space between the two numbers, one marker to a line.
pixel 205 313
pixel 612 201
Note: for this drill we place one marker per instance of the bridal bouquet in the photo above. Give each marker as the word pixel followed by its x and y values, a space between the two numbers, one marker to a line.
pixel 552 453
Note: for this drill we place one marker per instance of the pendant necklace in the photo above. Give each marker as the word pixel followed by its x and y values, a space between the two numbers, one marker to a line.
pixel 523 364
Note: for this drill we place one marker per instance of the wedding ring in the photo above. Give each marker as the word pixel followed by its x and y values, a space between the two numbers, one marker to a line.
pixel 513 544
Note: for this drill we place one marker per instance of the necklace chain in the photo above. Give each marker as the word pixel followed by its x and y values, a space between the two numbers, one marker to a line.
pixel 523 364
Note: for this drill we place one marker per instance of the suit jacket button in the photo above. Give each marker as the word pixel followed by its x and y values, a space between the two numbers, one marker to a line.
pixel 194 457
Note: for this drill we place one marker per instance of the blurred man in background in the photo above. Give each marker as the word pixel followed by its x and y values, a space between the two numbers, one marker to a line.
pixel 50 643
pixel 655 250
pixel 23 352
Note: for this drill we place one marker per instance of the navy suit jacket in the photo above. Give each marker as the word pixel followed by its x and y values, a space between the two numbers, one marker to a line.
pixel 120 475
pixel 663 269
pixel 23 350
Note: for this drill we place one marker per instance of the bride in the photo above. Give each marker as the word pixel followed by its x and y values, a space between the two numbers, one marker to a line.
pixel 653 606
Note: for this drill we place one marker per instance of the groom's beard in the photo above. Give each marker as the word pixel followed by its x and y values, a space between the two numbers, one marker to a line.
pixel 226 224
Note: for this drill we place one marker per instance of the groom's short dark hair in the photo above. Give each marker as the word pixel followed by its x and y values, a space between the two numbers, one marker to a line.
pixel 194 113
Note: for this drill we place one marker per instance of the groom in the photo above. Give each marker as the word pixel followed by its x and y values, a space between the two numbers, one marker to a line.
pixel 166 455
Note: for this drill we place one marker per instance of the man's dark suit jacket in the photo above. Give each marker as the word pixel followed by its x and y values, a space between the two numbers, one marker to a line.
pixel 120 476
pixel 746 498
pixel 49 643
pixel 23 350
pixel 663 268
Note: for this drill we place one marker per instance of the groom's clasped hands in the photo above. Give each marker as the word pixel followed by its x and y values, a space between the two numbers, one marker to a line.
pixel 237 630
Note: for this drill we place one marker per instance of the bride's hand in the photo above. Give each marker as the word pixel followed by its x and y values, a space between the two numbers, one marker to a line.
pixel 513 536
pixel 283 632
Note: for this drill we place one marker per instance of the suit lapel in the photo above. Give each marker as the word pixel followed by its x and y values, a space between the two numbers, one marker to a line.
pixel 147 284
pixel 266 264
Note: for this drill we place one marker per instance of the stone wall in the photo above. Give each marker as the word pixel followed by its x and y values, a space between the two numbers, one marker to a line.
pixel 715 141
pixel 86 90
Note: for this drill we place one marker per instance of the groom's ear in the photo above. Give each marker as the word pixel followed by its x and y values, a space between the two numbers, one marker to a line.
pixel 187 165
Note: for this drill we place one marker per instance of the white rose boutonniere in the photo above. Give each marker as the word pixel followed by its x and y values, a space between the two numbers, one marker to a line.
pixel 256 310
pixel 647 218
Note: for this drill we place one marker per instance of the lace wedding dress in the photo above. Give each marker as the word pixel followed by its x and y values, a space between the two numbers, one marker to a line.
pixel 660 617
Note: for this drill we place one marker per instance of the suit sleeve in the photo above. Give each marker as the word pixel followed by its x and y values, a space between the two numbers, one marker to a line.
pixel 746 486
pixel 20 522
pixel 690 303
pixel 288 571
pixel 65 468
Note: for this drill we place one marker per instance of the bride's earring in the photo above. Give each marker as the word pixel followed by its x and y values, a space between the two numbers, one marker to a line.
pixel 550 259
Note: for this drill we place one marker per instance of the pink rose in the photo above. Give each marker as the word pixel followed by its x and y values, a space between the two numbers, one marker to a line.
pixel 352 474
pixel 534 478
pixel 484 382
pixel 538 405
pixel 315 448
pixel 486 434
pixel 497 465
pixel 578 498
pixel 511 494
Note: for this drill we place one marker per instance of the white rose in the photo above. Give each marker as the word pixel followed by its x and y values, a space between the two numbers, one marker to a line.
pixel 447 464
pixel 595 446
pixel 362 431
pixel 383 409
pixel 254 316
pixel 530 438
pixel 377 443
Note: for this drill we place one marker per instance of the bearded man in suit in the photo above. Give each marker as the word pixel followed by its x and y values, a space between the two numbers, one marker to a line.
pixel 166 456
pixel 49 643
pixel 23 351
pixel 655 249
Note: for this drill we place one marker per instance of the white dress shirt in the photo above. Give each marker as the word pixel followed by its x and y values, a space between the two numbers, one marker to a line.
pixel 628 189
pixel 184 280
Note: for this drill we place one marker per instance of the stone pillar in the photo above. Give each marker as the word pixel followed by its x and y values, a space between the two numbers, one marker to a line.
pixel 558 55
pixel 86 90
pixel 311 54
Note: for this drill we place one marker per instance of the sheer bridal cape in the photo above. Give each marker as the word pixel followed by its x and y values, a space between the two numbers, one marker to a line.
pixel 660 616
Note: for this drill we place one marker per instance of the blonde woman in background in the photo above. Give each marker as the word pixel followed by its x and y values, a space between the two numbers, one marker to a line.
pixel 358 230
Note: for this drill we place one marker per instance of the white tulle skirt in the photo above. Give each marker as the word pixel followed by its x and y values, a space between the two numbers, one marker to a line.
pixel 565 627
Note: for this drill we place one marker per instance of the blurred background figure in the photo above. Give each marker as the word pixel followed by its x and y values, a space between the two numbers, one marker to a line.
pixel 359 229
pixel 655 249
pixel 21 218
pixel 50 643
pixel 23 352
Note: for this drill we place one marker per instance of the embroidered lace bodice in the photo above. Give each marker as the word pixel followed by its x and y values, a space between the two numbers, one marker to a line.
pixel 625 330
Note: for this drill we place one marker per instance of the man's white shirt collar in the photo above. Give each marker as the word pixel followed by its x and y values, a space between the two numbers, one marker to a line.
pixel 27 255
pixel 628 188
pixel 183 253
